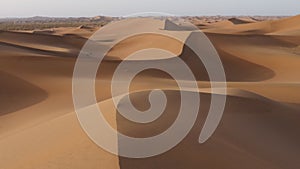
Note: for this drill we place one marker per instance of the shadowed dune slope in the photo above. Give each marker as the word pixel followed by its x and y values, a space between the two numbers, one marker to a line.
pixel 240 21
pixel 19 92
pixel 247 134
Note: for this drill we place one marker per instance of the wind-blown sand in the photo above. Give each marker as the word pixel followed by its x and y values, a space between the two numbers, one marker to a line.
pixel 259 129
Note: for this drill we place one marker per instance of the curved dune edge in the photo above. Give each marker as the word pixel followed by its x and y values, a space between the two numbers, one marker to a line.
pixel 76 149
pixel 270 115
pixel 232 64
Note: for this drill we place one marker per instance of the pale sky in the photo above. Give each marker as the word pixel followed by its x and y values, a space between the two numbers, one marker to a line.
pixel 63 8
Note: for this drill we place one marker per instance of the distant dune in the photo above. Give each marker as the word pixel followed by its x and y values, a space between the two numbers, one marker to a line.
pixel 285 26
pixel 241 20
pixel 38 125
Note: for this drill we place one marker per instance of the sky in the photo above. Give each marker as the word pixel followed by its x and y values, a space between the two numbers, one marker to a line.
pixel 76 8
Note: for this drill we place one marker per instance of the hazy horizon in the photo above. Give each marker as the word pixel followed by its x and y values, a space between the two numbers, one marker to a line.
pixel 21 17
pixel 118 8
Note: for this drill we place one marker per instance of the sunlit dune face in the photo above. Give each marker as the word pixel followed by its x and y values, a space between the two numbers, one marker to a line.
pixel 145 41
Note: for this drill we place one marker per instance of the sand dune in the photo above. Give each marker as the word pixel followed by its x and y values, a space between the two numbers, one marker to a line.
pixel 43 44
pixel 241 20
pixel 18 91
pixel 250 144
pixel 285 26
pixel 38 125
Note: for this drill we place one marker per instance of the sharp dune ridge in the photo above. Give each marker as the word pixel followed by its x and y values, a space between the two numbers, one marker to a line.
pixel 259 128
